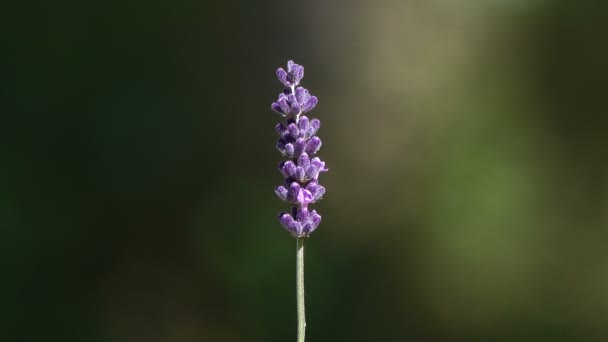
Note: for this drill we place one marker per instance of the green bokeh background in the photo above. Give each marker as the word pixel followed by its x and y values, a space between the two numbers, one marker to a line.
pixel 467 194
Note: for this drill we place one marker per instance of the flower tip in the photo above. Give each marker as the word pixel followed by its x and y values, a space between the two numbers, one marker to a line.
pixel 282 192
pixel 316 220
pixel 282 76
pixel 288 222
pixel 310 104
pixel 276 107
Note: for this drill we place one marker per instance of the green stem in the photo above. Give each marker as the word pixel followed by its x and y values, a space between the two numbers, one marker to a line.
pixel 300 288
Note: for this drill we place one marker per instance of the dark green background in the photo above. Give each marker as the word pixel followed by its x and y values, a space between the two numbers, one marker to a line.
pixel 467 194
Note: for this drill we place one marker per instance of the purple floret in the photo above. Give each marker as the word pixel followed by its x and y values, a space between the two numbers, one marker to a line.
pixel 293 105
pixel 292 76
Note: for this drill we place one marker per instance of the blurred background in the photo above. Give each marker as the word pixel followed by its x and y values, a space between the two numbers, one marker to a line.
pixel 467 198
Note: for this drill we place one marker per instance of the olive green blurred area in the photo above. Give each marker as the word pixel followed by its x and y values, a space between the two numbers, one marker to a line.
pixel 467 192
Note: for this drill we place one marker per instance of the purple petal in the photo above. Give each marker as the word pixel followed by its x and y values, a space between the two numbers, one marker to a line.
pixel 280 127
pixel 316 190
pixel 290 224
pixel 312 186
pixel 292 194
pixel 290 65
pixel 302 95
pixel 315 220
pixel 288 168
pixel 287 137
pixel 310 104
pixel 313 145
pixel 319 193
pixel 277 108
pixel 291 105
pixel 312 171
pixel 281 145
pixel 305 198
pixel 304 161
pixel 284 104
pixel 281 192
pixel 316 161
pixel 299 147
pixel 314 126
pixel 298 73
pixel 299 173
pixel 282 76
pixel 303 123
pixel 303 216
pixel 289 150
pixel 295 108
pixel 294 132
pixel 316 166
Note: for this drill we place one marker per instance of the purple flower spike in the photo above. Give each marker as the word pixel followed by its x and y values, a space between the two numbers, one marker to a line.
pixel 298 143
pixel 294 100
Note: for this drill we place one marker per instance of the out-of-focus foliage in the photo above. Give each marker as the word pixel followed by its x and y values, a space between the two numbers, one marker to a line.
pixel 467 193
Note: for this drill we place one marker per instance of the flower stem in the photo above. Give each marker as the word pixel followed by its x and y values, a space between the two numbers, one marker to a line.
pixel 300 288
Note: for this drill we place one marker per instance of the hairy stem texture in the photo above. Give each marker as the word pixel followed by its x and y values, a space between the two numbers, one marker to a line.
pixel 300 288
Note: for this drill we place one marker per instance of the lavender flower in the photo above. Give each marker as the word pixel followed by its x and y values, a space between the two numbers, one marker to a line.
pixel 298 143
pixel 293 102
pixel 292 76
